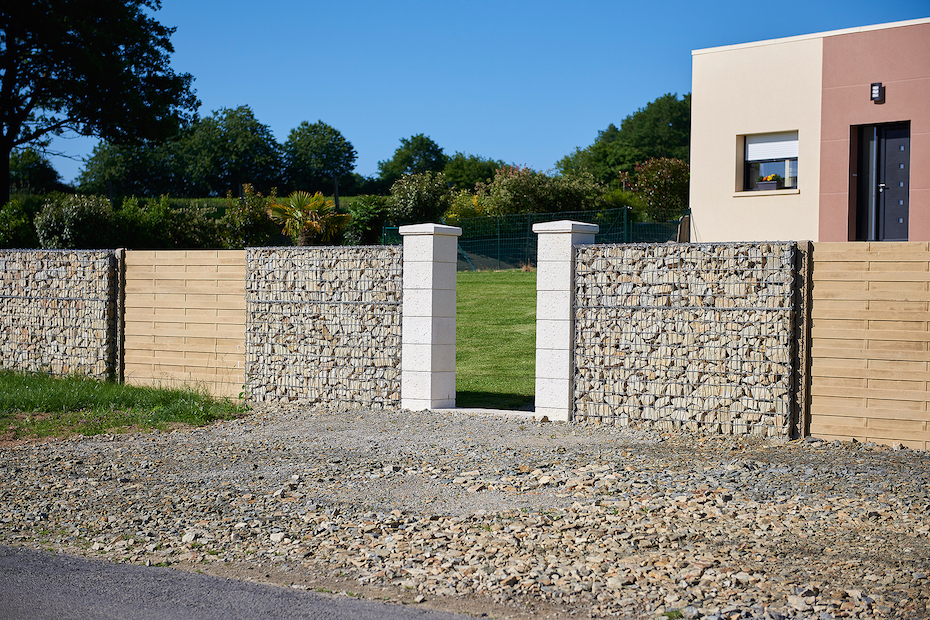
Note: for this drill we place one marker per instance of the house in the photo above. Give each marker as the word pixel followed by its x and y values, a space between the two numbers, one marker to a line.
pixel 823 137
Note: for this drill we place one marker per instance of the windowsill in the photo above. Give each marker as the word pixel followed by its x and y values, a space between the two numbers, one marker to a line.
pixel 774 192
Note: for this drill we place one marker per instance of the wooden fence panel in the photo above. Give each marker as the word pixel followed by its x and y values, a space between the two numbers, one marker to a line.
pixel 184 319
pixel 870 354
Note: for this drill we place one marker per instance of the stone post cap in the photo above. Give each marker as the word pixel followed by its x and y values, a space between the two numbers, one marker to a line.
pixel 565 226
pixel 430 229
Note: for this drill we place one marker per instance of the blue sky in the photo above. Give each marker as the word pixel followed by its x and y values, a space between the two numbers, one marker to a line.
pixel 521 81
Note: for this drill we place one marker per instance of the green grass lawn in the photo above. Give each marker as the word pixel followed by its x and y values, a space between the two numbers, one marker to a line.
pixel 495 355
pixel 37 405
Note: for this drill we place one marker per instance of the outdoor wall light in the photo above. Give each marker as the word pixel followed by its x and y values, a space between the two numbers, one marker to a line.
pixel 878 93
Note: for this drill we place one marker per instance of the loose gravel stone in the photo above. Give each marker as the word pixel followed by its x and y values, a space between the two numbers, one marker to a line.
pixel 593 520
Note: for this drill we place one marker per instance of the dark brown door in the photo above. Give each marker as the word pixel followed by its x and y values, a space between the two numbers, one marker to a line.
pixel 883 175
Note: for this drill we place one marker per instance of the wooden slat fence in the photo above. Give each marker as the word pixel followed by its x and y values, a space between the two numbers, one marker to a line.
pixel 870 354
pixel 184 318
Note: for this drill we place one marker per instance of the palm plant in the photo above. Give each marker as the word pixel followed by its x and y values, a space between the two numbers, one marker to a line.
pixel 309 219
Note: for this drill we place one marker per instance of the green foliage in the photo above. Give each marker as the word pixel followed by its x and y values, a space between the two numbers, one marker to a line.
pixel 309 219
pixel 368 213
pixel 94 67
pixel 32 173
pixel 464 205
pixel 246 222
pixel 661 129
pixel 76 222
pixel 155 224
pixel 228 150
pixel 148 169
pixel 317 155
pixel 415 155
pixel 464 171
pixel 523 190
pixel 419 198
pixel 36 405
pixel 661 185
pixel 16 229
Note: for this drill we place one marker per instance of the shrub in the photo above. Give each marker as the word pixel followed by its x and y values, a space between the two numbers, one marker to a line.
pixel 16 230
pixel 522 190
pixel 156 224
pixel 246 222
pixel 76 222
pixel 418 198
pixel 662 186
pixel 368 213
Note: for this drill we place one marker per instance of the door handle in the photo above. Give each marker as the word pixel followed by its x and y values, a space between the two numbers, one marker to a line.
pixel 881 187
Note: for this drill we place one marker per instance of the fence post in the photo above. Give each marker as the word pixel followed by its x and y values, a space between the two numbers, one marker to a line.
pixel 555 271
pixel 428 333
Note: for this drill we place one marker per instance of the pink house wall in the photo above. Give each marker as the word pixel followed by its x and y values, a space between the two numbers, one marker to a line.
pixel 899 58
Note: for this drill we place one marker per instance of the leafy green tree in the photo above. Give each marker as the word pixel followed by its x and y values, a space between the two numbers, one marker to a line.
pixel 415 155
pixel 228 150
pixel 464 171
pixel 316 157
pixel 94 67
pixel 661 129
pixel 419 198
pixel 146 169
pixel 32 173
pixel 662 187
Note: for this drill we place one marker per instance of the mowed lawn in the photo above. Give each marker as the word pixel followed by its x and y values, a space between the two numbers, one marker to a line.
pixel 495 339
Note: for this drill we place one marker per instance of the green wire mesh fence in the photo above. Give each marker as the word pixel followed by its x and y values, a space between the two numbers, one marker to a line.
pixel 508 241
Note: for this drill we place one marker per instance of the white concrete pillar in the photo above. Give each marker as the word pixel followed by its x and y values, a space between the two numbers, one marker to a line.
pixel 555 275
pixel 428 333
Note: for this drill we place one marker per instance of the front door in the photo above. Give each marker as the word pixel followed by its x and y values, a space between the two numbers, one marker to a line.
pixel 882 192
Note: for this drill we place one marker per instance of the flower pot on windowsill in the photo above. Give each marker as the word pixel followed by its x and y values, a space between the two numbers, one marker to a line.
pixel 765 186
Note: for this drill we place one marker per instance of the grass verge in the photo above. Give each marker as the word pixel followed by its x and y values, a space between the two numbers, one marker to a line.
pixel 495 354
pixel 33 405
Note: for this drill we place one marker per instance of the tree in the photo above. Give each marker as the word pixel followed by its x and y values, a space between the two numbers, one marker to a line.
pixel 94 67
pixel 523 190
pixel 228 150
pixel 464 171
pixel 661 129
pixel 414 156
pixel 146 169
pixel 316 156
pixel 33 173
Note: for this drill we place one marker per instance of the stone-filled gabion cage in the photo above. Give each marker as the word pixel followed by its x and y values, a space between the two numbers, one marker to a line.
pixel 58 311
pixel 694 336
pixel 324 324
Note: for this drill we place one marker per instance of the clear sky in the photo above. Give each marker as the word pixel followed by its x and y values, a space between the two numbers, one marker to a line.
pixel 517 80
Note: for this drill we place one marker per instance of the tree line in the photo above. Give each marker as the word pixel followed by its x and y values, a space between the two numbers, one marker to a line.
pixel 102 68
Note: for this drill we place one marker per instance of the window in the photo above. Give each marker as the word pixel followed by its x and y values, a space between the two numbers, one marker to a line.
pixel 771 161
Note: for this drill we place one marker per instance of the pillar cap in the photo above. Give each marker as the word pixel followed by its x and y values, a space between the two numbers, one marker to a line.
pixel 430 229
pixel 566 226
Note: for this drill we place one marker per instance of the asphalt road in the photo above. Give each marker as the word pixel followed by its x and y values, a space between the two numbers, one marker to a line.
pixel 37 585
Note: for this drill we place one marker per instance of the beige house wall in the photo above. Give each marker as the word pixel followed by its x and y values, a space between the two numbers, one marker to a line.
pixel 767 87
pixel 184 318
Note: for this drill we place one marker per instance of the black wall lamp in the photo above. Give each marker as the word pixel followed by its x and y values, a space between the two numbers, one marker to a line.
pixel 878 93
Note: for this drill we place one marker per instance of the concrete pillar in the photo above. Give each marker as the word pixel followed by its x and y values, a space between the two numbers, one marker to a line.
pixel 428 333
pixel 555 275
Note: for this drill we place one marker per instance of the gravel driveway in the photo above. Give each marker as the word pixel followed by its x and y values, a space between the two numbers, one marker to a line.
pixel 498 515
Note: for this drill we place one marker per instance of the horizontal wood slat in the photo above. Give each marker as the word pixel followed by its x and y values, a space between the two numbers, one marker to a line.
pixel 870 342
pixel 184 319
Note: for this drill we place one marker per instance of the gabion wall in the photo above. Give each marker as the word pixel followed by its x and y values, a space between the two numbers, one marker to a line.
pixel 324 324
pixel 686 335
pixel 57 311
